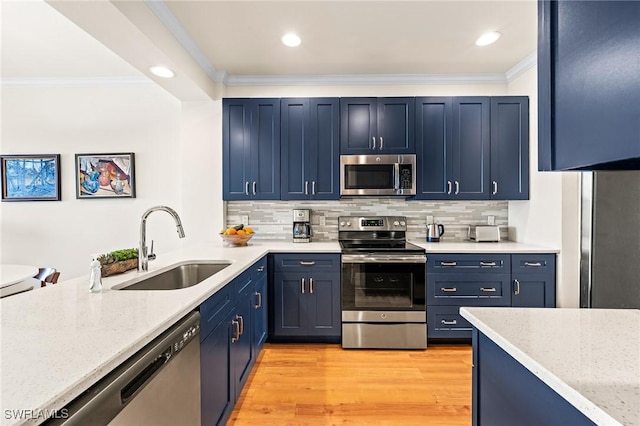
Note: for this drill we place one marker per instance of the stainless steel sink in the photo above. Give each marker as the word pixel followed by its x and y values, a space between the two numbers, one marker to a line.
pixel 181 276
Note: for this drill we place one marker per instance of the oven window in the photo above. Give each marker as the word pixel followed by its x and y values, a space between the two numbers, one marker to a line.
pixel 368 176
pixel 383 286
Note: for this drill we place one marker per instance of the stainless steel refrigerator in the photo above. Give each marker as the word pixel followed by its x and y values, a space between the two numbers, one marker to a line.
pixel 610 248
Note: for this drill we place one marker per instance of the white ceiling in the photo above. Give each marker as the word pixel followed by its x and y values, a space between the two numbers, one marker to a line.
pixel 222 40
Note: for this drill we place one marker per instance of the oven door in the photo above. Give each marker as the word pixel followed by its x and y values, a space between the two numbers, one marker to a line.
pixel 389 282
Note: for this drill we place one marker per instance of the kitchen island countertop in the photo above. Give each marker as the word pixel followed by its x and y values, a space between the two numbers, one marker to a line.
pixel 590 357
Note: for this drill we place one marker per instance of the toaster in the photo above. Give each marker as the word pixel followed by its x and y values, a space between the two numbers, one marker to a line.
pixel 484 233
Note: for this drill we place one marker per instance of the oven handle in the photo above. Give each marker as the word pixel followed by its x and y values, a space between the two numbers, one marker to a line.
pixel 363 258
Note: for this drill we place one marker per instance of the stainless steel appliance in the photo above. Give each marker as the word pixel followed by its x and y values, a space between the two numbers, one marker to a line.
pixel 484 233
pixel 610 246
pixel 378 175
pixel 159 385
pixel 434 232
pixel 301 226
pixel 383 284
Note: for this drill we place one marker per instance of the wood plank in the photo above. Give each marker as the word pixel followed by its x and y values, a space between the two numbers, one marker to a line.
pixel 320 384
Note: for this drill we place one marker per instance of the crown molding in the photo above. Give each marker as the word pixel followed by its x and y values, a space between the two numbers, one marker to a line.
pixel 169 20
pixel 71 82
pixel 521 67
pixel 364 79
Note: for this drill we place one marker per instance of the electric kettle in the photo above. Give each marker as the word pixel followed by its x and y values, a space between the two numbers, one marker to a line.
pixel 434 232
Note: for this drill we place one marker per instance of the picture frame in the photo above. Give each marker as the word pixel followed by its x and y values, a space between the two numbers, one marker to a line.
pixel 30 177
pixel 105 175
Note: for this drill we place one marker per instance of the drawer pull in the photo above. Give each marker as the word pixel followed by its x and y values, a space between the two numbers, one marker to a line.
pixel 259 304
pixel 445 322
pixel 449 289
pixel 261 269
pixel 448 263
pixel 236 326
pixel 534 264
pixel 487 263
pixel 488 289
pixel 517 290
pixel 313 262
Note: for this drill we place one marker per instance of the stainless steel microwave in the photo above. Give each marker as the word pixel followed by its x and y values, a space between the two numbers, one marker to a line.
pixel 378 175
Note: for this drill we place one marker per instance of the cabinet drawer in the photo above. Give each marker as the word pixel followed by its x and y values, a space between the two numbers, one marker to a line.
pixel 305 261
pixel 213 310
pixel 469 263
pixel 469 289
pixel 446 321
pixel 533 263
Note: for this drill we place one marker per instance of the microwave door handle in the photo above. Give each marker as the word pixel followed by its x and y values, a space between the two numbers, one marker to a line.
pixel 396 176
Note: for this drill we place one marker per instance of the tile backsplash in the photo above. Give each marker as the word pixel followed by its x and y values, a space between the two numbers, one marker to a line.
pixel 272 220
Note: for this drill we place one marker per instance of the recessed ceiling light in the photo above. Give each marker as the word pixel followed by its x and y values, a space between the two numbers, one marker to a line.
pixel 488 38
pixel 162 71
pixel 291 40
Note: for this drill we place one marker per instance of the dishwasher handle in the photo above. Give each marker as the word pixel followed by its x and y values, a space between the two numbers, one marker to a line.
pixel 139 381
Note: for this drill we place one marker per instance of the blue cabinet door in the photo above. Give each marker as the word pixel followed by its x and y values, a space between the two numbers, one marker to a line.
pixel 251 149
pixel 471 149
pixel 310 156
pixel 396 126
pixel 434 126
pixel 533 280
pixel 323 304
pixel 358 125
pixel 589 115
pixel 241 344
pixel 510 148
pixel 288 304
pixel 323 158
pixel 260 315
pixel 215 375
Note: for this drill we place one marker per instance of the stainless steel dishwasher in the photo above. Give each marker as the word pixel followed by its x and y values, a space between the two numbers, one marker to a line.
pixel 159 385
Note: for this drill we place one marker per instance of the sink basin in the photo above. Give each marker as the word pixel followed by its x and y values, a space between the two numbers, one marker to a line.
pixel 181 276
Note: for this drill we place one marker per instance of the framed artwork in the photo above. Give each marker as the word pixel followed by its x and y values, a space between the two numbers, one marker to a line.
pixel 32 177
pixel 105 176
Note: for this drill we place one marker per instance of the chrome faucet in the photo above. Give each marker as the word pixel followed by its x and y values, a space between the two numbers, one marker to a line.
pixel 143 255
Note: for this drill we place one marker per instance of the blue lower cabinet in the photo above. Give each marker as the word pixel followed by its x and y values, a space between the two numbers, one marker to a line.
pixel 504 392
pixel 242 356
pixel 260 315
pixel 446 321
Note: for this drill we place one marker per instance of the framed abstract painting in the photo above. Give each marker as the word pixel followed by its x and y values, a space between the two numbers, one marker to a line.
pixel 105 176
pixel 30 177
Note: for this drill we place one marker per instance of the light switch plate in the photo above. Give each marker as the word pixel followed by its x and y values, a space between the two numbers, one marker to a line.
pixel 491 220
pixel 323 221
pixel 429 219
pixel 244 219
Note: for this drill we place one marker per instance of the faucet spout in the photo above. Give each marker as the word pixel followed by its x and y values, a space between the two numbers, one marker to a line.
pixel 143 254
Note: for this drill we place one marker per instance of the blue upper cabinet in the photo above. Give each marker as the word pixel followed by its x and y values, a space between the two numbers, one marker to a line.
pixel 251 149
pixel 310 155
pixel 588 85
pixel 510 148
pixel 377 126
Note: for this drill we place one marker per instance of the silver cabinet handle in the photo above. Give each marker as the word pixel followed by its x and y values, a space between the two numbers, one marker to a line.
pixel 246 188
pixel 449 289
pixel 488 289
pixel 534 264
pixel 457 187
pixel 517 290
pixel 374 142
pixel 311 285
pixel 254 188
pixel 381 142
pixel 495 187
pixel 239 317
pixel 260 269
pixel 302 286
pixel 259 304
pixel 487 263
pixel 302 262
pixel 236 335
pixel 306 187
pixel 448 263
pixel 448 187
pixel 313 187
pixel 445 322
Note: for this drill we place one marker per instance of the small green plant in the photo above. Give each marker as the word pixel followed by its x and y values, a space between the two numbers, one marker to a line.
pixel 117 256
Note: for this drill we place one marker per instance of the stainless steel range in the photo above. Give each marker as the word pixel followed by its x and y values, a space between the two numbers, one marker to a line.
pixel 383 284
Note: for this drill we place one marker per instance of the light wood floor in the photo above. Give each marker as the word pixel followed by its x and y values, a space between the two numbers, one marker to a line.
pixel 323 384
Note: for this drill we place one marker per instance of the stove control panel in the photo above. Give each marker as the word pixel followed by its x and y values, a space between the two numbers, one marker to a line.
pixel 375 223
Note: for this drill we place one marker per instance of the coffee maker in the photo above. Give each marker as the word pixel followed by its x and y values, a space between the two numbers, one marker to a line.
pixel 301 226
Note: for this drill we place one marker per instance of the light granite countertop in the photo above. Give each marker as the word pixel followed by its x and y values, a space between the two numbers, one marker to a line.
pixel 59 340
pixel 590 357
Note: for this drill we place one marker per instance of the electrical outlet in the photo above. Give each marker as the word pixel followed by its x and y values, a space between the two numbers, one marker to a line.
pixel 429 219
pixel 323 221
pixel 244 219
pixel 491 220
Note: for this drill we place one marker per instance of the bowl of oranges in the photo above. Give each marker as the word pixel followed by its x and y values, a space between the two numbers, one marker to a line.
pixel 237 235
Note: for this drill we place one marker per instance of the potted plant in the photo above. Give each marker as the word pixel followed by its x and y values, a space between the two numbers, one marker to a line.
pixel 118 261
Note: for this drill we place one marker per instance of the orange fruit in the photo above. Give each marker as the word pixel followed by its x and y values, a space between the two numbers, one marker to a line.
pixel 241 232
pixel 231 231
pixel 248 230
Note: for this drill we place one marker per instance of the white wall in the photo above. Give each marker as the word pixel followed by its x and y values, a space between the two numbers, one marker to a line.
pixel 143 119
pixel 551 215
